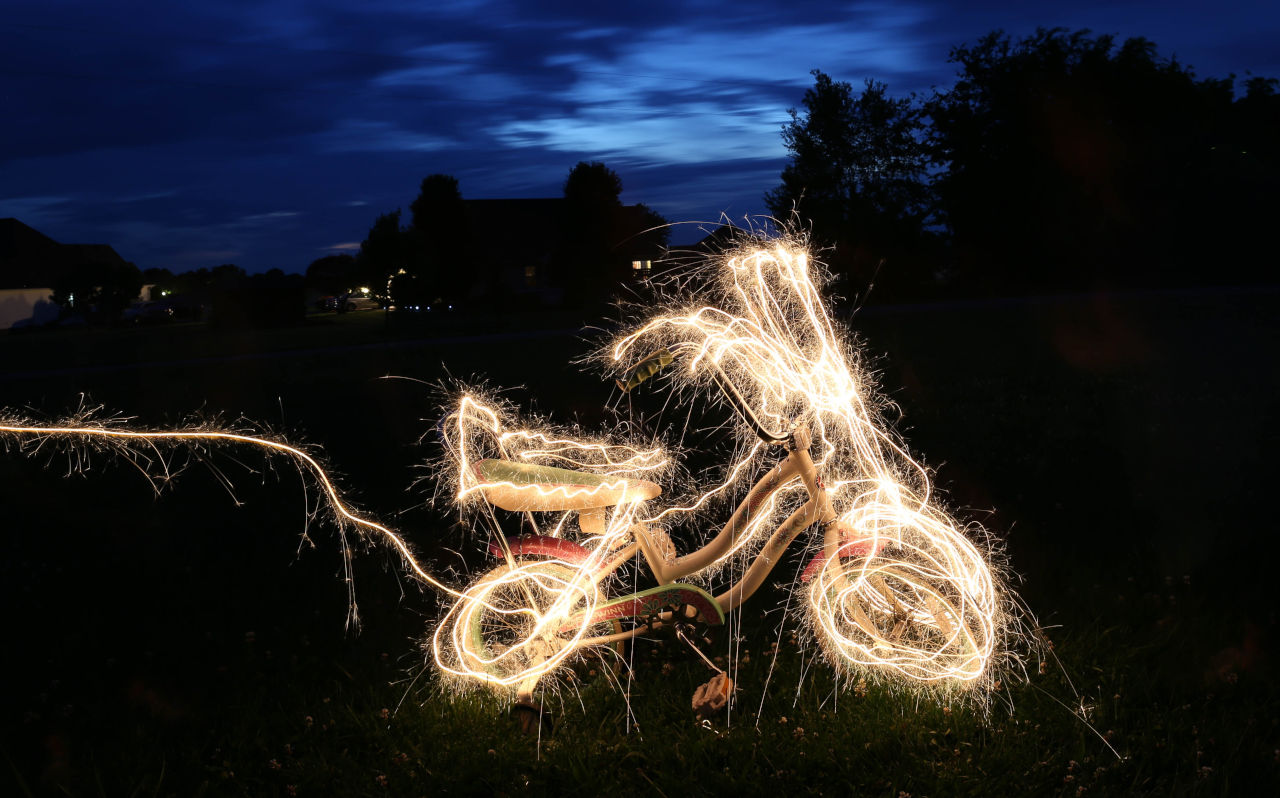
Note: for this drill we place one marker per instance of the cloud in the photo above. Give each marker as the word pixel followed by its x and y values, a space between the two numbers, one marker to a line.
pixel 371 135
pixel 693 94
pixel 167 129
pixel 147 197
pixel 781 55
pixel 35 211
pixel 639 137
pixel 267 218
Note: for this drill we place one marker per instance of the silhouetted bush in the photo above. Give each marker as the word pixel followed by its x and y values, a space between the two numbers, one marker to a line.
pixel 258 301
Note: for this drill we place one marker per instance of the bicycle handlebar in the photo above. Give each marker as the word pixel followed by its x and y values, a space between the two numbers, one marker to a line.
pixel 656 361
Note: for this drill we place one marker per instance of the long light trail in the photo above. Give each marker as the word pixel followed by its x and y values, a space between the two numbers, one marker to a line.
pixel 901 591
pixel 345 514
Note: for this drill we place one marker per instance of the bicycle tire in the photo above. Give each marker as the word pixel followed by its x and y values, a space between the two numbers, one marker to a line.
pixel 507 643
pixel 912 627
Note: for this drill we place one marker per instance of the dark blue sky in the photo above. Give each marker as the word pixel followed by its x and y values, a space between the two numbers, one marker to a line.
pixel 269 133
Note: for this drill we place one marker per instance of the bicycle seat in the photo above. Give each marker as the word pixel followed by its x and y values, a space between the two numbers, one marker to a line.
pixel 524 486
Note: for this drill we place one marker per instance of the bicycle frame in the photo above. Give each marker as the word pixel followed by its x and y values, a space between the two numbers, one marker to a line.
pixel 817 509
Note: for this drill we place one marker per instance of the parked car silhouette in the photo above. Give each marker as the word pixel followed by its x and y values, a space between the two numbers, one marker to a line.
pixel 353 301
pixel 148 313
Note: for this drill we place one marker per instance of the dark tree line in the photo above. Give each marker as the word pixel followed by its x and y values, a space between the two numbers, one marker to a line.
pixel 443 254
pixel 100 291
pixel 96 290
pixel 226 297
pixel 1057 161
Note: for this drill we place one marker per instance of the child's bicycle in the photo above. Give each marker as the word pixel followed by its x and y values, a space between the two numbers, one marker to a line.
pixel 892 586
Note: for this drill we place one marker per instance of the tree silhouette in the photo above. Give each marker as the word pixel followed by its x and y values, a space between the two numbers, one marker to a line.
pixel 160 279
pixel 857 173
pixel 600 236
pixel 1252 159
pixel 333 274
pixel 240 301
pixel 384 256
pixel 439 240
pixel 592 185
pixel 99 290
pixel 1070 162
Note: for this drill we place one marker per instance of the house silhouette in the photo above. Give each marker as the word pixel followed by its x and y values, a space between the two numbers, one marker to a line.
pixel 31 264
pixel 520 245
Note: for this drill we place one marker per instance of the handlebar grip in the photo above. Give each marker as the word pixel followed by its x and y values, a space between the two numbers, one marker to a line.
pixel 645 369
pixel 655 362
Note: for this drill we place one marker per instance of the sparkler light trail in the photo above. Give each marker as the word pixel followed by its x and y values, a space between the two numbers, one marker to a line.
pixel 524 619
pixel 896 588
pixel 901 589
pixel 32 436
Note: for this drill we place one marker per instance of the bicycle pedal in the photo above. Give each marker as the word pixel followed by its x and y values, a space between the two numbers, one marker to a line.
pixel 713 696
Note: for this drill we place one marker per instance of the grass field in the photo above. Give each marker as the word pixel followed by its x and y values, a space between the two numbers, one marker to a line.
pixel 188 644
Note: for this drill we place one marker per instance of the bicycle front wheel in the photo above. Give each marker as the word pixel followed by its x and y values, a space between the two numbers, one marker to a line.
pixel 519 623
pixel 918 606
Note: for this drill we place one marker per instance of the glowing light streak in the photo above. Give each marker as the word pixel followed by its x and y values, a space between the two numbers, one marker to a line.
pixel 919 601
pixel 924 605
pixel 572 453
pixel 517 624
pixel 309 462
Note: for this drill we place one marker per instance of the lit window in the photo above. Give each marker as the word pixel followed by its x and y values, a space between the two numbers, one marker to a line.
pixel 641 265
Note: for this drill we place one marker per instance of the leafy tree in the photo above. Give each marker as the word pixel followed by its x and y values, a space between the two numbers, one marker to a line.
pixel 439 240
pixel 194 283
pixel 159 279
pixel 857 174
pixel 226 277
pixel 439 205
pixel 600 236
pixel 1072 161
pixel 240 301
pixel 649 233
pixel 333 274
pixel 593 186
pixel 1252 159
pixel 99 290
pixel 385 250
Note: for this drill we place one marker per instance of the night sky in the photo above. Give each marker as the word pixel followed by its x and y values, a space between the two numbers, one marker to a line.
pixel 271 133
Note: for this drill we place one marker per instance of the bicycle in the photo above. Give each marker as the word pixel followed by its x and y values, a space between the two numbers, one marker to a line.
pixel 894 587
